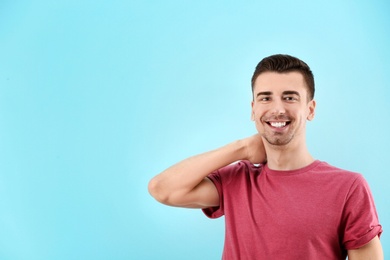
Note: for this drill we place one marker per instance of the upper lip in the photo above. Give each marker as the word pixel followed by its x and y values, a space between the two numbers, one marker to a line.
pixel 277 121
pixel 271 122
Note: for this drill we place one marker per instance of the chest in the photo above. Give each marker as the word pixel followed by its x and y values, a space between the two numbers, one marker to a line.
pixel 300 208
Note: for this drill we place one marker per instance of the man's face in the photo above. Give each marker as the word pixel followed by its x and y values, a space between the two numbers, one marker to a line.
pixel 280 107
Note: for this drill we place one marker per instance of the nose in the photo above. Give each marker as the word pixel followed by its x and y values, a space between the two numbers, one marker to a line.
pixel 278 108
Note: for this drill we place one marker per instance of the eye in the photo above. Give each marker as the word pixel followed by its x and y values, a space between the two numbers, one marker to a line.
pixel 291 98
pixel 263 99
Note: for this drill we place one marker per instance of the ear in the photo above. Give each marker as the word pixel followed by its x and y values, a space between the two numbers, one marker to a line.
pixel 252 112
pixel 312 108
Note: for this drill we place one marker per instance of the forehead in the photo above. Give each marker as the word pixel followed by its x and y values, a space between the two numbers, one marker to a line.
pixel 279 82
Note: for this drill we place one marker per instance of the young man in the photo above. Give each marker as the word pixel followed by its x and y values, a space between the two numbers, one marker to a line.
pixel 278 201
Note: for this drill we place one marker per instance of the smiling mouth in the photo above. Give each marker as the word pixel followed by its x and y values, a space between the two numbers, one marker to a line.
pixel 278 124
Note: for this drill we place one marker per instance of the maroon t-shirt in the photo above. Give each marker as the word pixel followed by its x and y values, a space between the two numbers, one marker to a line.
pixel 317 212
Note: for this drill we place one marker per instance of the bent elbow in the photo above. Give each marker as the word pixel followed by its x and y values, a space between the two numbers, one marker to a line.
pixel 155 191
pixel 163 194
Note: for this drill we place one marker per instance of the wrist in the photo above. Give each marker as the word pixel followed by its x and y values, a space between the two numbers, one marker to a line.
pixel 240 150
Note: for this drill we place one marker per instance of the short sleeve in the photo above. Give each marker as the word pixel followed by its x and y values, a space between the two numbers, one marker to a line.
pixel 360 218
pixel 221 178
pixel 215 212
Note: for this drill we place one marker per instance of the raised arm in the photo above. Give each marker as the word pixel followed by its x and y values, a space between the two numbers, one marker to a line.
pixel 185 183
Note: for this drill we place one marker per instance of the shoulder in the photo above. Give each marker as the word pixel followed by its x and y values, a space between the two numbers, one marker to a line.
pixel 353 183
pixel 323 168
pixel 338 179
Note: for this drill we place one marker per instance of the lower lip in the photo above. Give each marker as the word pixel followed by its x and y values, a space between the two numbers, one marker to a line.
pixel 278 129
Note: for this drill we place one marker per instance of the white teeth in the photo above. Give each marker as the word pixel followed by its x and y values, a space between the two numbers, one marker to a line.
pixel 278 124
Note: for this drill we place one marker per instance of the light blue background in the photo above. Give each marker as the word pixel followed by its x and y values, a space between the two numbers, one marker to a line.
pixel 97 97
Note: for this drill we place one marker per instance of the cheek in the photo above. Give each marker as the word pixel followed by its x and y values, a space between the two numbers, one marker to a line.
pixel 256 116
pixel 258 111
pixel 259 126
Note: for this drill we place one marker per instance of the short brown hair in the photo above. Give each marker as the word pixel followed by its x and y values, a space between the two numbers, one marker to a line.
pixel 285 63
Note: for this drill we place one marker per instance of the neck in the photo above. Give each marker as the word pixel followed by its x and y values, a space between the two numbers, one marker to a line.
pixel 287 157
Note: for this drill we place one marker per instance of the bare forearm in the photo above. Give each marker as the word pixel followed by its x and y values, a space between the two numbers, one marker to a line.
pixel 184 176
pixel 372 250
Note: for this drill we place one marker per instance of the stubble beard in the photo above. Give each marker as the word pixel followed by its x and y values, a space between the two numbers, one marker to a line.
pixel 278 138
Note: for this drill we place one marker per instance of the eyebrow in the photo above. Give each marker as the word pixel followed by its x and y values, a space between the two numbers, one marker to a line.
pixel 287 92
pixel 264 93
pixel 291 92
